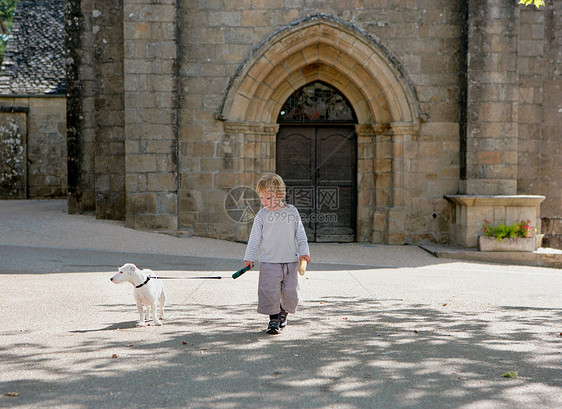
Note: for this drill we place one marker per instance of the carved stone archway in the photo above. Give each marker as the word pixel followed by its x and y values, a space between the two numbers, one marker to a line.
pixel 323 49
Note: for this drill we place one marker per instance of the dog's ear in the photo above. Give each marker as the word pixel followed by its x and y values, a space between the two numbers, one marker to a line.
pixel 127 268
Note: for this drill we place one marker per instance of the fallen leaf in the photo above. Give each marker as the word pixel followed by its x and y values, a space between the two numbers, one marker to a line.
pixel 444 305
pixel 12 394
pixel 510 374
pixel 344 318
pixel 184 343
pixel 114 356
pixel 415 331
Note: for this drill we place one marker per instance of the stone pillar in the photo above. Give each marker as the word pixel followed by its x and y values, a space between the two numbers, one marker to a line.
pixel 401 202
pixel 365 182
pixel 551 122
pixel 382 182
pixel 232 151
pixel 151 131
pixel 390 193
pixel 492 98
pixel 490 149
pixel 109 165
pixel 80 89
pixel 95 134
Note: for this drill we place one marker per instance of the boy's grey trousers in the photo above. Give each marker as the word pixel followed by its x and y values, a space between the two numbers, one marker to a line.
pixel 278 285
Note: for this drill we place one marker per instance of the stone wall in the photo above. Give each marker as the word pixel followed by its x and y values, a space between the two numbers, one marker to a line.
pixel 41 124
pixel 451 97
pixel 540 115
pixel 95 85
pixel 551 128
pixel 151 111
pixel 46 148
pixel 218 39
pixel 492 99
pixel 109 125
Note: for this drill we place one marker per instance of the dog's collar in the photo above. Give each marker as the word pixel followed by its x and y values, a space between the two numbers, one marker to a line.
pixel 140 285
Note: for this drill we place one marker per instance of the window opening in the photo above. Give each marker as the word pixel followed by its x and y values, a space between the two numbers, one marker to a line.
pixel 317 102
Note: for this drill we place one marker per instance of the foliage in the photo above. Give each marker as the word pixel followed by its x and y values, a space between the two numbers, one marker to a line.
pixel 537 3
pixel 7 12
pixel 501 231
pixel 12 163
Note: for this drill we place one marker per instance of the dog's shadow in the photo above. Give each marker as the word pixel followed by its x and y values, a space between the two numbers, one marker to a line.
pixel 112 327
pixel 117 325
pixel 122 325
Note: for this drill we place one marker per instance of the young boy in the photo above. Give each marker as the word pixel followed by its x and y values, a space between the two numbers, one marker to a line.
pixel 279 236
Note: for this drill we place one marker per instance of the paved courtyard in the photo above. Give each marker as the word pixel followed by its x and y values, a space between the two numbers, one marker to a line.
pixel 377 326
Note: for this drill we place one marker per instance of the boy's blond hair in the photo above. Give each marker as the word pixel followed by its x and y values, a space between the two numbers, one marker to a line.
pixel 272 182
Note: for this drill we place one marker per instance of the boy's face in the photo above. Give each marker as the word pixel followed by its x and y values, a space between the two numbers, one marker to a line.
pixel 271 200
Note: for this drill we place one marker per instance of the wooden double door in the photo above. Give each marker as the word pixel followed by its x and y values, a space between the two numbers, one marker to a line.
pixel 319 165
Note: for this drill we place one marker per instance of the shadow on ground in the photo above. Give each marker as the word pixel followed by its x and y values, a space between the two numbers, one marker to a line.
pixel 42 260
pixel 336 352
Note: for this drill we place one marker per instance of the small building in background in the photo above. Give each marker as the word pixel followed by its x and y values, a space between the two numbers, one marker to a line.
pixel 33 104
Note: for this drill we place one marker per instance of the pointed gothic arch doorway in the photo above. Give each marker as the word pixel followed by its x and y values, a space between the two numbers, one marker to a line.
pixel 322 48
pixel 316 154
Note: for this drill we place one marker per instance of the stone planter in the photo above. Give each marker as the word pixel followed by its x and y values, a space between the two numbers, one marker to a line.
pixel 486 243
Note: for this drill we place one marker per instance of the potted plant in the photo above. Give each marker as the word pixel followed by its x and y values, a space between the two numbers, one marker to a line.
pixel 503 237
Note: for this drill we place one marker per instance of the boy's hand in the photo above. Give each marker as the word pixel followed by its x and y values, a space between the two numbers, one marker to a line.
pixel 303 260
pixel 247 266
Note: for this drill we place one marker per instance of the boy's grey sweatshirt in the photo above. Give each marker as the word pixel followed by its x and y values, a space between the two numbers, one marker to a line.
pixel 278 235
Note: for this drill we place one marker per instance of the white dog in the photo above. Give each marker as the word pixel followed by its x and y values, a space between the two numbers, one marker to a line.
pixel 147 291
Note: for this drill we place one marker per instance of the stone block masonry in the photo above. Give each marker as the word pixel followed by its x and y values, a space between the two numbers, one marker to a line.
pixel 151 115
pixel 219 40
pixel 548 176
pixel 106 21
pixel 492 99
pixel 33 133
pixel 447 97
pixel 46 148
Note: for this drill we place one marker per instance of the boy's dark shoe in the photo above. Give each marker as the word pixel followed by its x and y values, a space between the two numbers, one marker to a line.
pixel 283 319
pixel 273 327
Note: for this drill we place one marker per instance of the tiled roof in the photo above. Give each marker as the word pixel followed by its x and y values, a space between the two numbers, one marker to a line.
pixel 34 59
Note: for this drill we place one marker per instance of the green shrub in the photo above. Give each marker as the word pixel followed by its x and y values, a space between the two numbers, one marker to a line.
pixel 501 231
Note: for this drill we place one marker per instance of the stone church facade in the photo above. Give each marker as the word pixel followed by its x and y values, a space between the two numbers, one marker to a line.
pixel 177 107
